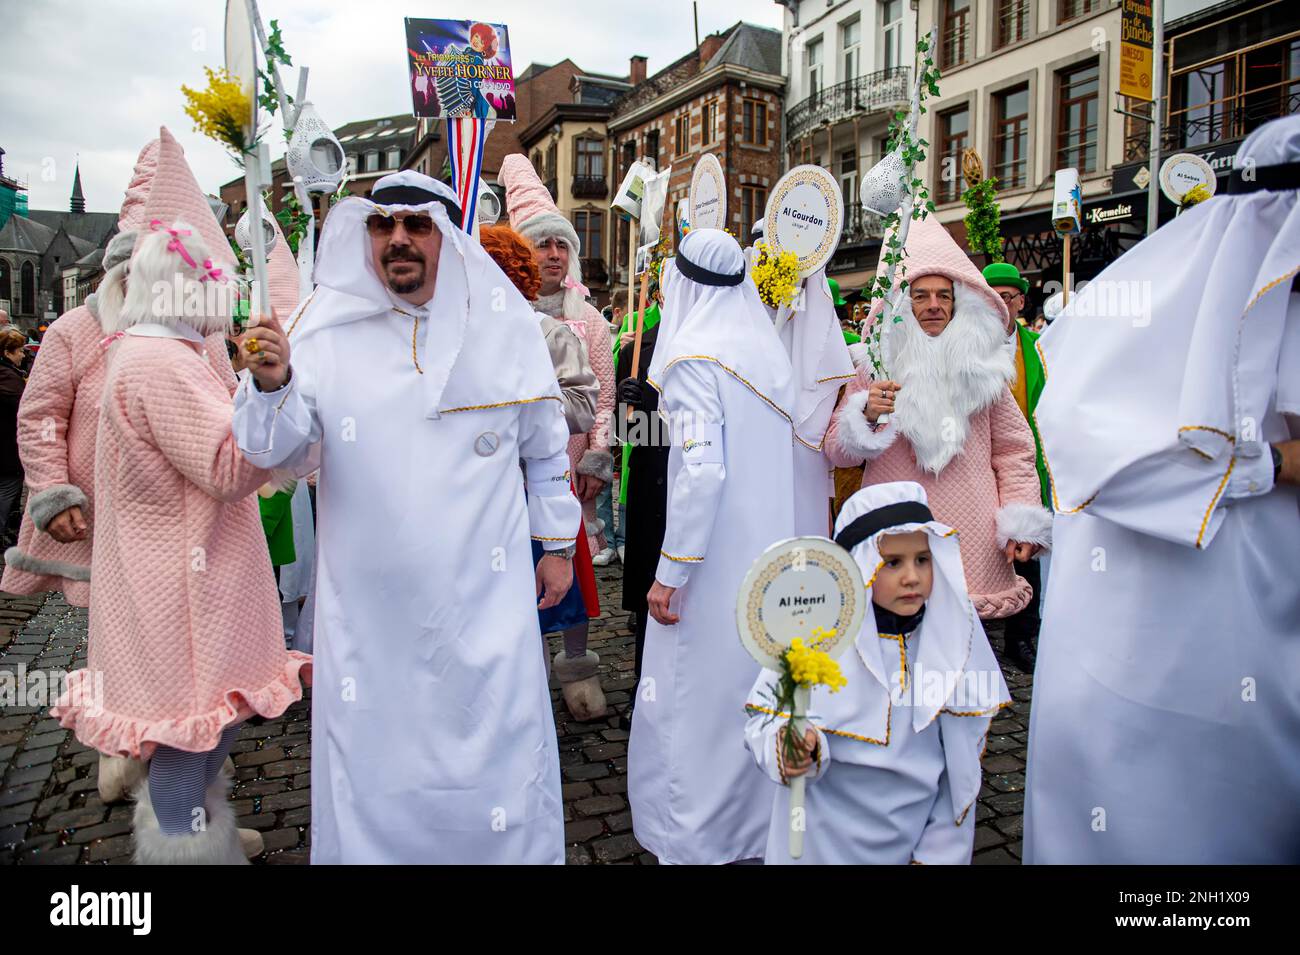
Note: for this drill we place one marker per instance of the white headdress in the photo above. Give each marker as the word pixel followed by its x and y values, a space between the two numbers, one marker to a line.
pixel 474 309
pixel 710 312
pixel 1163 369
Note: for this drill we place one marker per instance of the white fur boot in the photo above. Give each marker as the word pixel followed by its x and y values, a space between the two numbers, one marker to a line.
pixel 118 776
pixel 580 682
pixel 218 843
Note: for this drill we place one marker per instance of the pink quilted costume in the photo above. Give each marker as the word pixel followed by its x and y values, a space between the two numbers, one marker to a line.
pixel 185 637
pixel 956 429
pixel 534 215
pixel 186 624
pixel 59 415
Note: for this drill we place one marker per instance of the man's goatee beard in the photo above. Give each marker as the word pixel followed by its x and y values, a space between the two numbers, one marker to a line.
pixel 407 287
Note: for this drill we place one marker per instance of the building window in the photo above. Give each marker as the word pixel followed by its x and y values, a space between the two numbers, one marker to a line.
pixel 954 36
pixel 708 122
pixel 812 58
pixel 372 161
pixel 589 154
pixel 891 32
pixel 394 158
pixel 6 285
pixel 352 164
pixel 682 134
pixel 753 203
pixel 849 176
pixel 652 148
pixel 850 44
pixel 1076 118
pixel 590 229
pixel 954 137
pixel 1012 21
pixel 1011 137
pixel 754 125
pixel 27 289
pixel 1203 104
pixel 629 155
pixel 1069 9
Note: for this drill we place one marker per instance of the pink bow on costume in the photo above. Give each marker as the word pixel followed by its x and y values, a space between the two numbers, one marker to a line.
pixel 177 246
pixel 105 342
pixel 570 282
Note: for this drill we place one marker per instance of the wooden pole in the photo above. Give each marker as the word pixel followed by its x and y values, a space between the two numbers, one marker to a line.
pixel 645 288
pixel 1065 272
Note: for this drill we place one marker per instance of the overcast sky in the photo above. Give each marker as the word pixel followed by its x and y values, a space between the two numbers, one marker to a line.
pixel 96 78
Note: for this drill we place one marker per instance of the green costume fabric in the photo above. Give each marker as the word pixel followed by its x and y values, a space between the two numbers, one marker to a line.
pixel 629 325
pixel 277 524
pixel 850 338
pixel 1034 381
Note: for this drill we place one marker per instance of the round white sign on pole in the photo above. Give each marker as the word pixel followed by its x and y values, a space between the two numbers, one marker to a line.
pixel 805 215
pixel 796 586
pixel 241 59
pixel 708 197
pixel 1183 172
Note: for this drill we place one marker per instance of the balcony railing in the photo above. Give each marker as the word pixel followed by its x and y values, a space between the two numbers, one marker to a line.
pixel 589 187
pixel 1226 120
pixel 861 225
pixel 875 92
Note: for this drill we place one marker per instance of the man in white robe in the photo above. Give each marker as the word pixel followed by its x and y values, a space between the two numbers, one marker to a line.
pixel 419 379
pixel 1166 717
pixel 725 385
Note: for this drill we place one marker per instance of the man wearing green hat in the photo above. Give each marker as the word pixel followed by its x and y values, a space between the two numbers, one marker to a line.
pixel 1021 638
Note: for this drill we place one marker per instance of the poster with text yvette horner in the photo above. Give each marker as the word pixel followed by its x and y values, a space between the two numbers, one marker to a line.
pixel 460 68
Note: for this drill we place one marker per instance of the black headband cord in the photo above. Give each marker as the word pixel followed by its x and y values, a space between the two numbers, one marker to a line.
pixel 698 273
pixel 415 196
pixel 891 515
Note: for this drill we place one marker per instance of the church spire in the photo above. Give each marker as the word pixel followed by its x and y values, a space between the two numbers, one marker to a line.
pixel 78 200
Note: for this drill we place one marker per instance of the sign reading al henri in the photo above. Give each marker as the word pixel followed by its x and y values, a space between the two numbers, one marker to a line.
pixel 1135 49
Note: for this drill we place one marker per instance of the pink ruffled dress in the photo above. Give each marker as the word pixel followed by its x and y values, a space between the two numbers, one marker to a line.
pixel 185 637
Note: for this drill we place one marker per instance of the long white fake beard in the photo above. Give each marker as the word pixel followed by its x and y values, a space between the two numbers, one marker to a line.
pixel 947 379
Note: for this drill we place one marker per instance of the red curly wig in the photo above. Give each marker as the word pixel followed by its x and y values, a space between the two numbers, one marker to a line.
pixel 511 251
pixel 488 37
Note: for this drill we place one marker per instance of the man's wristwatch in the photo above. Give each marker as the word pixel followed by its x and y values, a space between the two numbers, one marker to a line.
pixel 565 552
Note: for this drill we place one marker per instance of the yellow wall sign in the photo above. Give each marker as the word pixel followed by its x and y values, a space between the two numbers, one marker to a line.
pixel 1135 54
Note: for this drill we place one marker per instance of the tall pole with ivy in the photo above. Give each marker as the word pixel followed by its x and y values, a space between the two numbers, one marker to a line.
pixel 906 150
pixel 299 230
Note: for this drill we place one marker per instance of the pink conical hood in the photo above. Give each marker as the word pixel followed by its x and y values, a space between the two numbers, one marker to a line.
pixel 931 250
pixel 175 196
pixel 137 191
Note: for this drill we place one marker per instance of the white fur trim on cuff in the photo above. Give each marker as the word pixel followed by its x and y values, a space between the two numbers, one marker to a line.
pixel 855 435
pixel 44 506
pixel 597 464
pixel 1025 523
pixel 52 568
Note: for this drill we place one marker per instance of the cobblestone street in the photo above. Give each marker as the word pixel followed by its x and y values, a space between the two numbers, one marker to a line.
pixel 50 811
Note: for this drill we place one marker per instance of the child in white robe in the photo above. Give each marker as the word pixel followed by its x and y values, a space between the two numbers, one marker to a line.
pixel 893 758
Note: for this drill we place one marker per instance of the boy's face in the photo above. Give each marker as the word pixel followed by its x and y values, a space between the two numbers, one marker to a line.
pixel 904 583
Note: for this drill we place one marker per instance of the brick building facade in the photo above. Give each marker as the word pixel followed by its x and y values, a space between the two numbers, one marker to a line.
pixel 725 98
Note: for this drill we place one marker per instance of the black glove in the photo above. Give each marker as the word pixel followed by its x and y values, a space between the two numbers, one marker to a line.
pixel 631 392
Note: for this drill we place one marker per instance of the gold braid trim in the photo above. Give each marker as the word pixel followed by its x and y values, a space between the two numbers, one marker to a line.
pixel 499 404
pixel 862 739
pixel 681 560
pixel 301 312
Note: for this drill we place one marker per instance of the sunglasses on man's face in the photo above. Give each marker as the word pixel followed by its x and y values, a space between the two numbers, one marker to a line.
pixel 417 226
